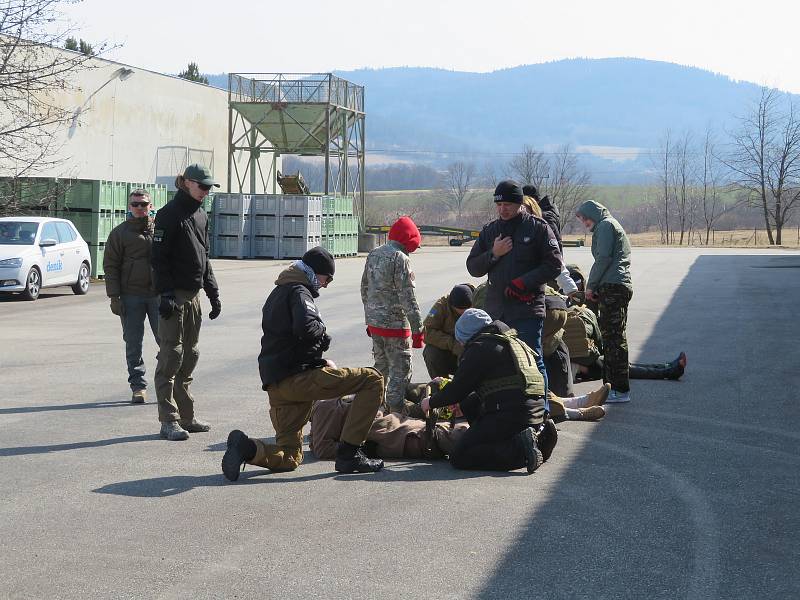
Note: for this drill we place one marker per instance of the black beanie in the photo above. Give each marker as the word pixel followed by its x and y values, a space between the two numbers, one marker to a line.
pixel 460 296
pixel 508 191
pixel 530 190
pixel 320 260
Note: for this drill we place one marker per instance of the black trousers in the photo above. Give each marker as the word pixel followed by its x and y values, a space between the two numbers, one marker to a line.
pixel 490 443
pixel 440 363
pixel 559 372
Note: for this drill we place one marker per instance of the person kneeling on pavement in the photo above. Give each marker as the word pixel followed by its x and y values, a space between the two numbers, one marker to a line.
pixel 501 391
pixel 295 376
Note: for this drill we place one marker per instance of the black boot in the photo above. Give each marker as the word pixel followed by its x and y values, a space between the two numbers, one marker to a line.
pixel 240 449
pixel 350 459
pixel 533 456
pixel 546 438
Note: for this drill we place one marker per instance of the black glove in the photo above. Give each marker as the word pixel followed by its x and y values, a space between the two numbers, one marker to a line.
pixel 216 307
pixel 168 306
pixel 325 343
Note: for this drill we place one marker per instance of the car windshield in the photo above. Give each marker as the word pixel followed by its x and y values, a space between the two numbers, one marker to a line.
pixel 17 233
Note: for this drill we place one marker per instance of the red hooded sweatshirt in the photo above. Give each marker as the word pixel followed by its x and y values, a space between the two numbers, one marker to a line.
pixel 406 232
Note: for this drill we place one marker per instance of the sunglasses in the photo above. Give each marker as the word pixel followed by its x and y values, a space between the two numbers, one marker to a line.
pixel 202 186
pixel 140 204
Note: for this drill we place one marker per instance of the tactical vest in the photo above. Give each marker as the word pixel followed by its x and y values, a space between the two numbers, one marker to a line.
pixel 577 333
pixel 527 377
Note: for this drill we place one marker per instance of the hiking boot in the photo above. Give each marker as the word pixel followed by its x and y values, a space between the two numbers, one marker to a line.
pixel 195 426
pixel 546 438
pixel 533 456
pixel 599 396
pixel 616 397
pixel 592 413
pixel 233 460
pixel 138 397
pixel 351 459
pixel 173 432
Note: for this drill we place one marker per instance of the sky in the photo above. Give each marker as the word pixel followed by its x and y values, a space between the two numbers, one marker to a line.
pixel 745 40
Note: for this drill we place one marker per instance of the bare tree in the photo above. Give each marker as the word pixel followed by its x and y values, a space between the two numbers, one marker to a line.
pixel 567 184
pixel 530 166
pixel 766 158
pixel 664 164
pixel 682 183
pixel 32 73
pixel 459 179
pixel 710 186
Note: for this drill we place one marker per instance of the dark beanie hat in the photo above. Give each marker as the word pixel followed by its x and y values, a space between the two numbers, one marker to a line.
pixel 320 260
pixel 530 190
pixel 508 191
pixel 460 296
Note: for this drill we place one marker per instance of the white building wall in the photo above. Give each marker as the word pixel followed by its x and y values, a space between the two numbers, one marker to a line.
pixel 134 125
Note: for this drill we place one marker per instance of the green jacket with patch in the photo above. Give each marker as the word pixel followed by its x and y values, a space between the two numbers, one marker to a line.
pixel 610 248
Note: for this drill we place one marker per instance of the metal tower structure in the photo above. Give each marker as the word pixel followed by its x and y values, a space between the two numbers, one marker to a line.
pixel 309 114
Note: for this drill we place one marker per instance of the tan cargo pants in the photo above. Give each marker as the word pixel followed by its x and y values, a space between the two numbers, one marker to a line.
pixel 290 409
pixel 177 357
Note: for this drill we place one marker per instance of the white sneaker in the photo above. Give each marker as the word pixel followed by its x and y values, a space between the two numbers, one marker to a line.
pixel 618 397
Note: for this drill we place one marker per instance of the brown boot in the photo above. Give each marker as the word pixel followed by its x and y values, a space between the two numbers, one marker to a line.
pixel 592 413
pixel 599 396
pixel 138 397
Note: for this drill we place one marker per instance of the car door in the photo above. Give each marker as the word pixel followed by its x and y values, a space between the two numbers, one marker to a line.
pixel 53 271
pixel 72 250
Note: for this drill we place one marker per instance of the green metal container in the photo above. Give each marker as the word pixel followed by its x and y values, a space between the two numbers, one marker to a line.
pixel 96 252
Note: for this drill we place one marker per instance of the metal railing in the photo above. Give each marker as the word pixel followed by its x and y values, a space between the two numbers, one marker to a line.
pixel 316 88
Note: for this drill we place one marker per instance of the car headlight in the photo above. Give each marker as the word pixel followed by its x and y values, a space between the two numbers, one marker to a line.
pixel 11 262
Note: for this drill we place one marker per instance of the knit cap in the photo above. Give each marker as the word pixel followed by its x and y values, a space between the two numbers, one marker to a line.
pixel 406 232
pixel 470 323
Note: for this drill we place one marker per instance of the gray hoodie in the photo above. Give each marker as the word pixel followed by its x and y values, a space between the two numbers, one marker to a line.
pixel 610 248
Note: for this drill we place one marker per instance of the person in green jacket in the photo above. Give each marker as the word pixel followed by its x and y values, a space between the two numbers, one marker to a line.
pixel 609 284
pixel 129 285
pixel 442 350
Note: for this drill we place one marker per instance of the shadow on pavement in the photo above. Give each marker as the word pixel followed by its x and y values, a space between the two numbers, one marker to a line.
pixel 24 450
pixel 160 487
pixel 33 409
pixel 681 507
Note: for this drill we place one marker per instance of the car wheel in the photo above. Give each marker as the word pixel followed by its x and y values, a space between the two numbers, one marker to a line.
pixel 82 285
pixel 33 284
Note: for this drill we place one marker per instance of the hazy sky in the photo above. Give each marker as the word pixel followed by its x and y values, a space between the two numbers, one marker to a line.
pixel 746 40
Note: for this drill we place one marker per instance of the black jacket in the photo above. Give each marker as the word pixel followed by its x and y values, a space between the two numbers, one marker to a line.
pixel 553 217
pixel 180 247
pixel 487 358
pixel 294 334
pixel 534 257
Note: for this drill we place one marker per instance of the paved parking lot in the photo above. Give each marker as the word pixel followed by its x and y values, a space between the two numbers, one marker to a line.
pixel 690 491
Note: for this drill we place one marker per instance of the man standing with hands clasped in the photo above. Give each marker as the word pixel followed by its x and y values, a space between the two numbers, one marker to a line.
pixel 180 268
pixel 519 252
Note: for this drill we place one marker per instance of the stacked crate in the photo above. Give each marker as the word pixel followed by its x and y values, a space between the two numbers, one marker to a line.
pixel 300 224
pixel 230 229
pixel 340 226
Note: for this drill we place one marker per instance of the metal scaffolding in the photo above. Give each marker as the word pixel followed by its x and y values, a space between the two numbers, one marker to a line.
pixel 308 114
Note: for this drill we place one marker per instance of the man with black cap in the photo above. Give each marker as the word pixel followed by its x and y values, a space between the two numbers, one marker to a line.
pixel 501 392
pixel 520 254
pixel 180 268
pixel 442 350
pixel 295 376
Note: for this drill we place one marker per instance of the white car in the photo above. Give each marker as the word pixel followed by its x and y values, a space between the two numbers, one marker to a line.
pixel 37 252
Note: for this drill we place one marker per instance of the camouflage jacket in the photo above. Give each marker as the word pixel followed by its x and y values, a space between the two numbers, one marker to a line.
pixel 387 292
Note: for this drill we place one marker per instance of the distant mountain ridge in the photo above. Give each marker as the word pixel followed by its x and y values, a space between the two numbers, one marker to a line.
pixel 619 102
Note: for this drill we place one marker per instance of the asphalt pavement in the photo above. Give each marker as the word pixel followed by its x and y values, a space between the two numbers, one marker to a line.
pixel 689 491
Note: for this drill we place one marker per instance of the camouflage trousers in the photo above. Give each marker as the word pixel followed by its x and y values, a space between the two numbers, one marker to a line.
pixel 393 359
pixel 613 318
